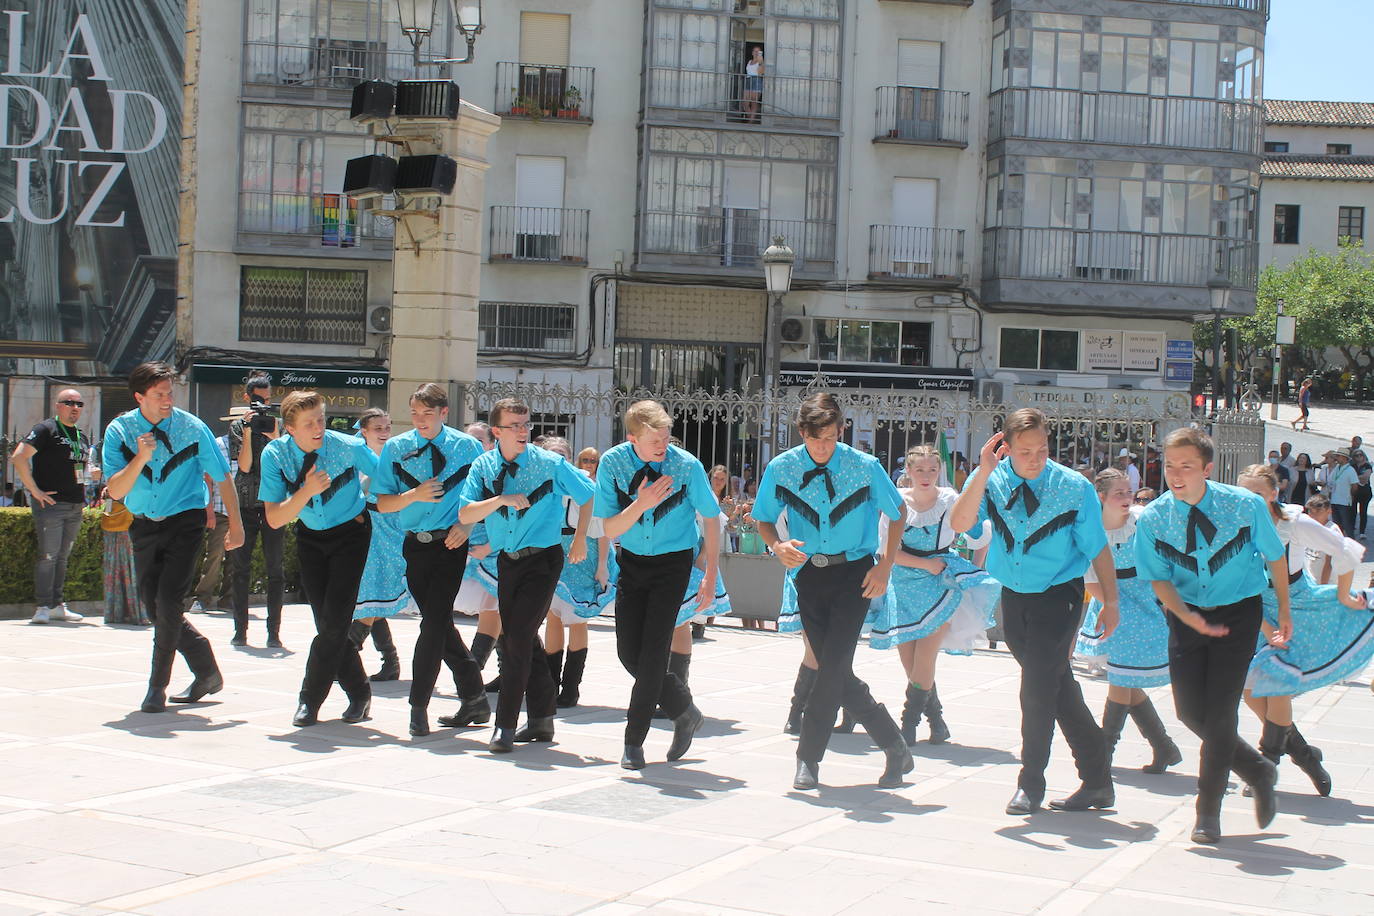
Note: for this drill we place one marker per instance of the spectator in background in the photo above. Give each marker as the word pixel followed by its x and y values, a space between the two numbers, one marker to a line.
pixel 1144 496
pixel 1285 478
pixel 1304 482
pixel 54 463
pixel 1154 470
pixel 7 497
pixel 1341 485
pixel 1360 462
pixel 249 434
pixel 1125 463
pixel 122 604
pixel 1304 404
pixel 207 594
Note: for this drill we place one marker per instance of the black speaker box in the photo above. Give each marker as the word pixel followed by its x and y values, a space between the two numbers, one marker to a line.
pixel 373 100
pixel 427 99
pixel 426 175
pixel 370 176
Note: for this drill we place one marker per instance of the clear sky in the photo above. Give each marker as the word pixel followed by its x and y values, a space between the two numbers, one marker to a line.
pixel 1320 50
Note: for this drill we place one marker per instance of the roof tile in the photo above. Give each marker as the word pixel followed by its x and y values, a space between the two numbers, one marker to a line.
pixel 1318 168
pixel 1319 114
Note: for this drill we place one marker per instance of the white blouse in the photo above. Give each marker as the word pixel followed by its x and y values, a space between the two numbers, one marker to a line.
pixel 1302 534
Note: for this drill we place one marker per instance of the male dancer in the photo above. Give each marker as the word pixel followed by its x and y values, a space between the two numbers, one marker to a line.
pixel 156 458
pixel 1047 530
pixel 1205 547
pixel 515 489
pixel 314 474
pixel 649 492
pixel 833 495
pixel 419 474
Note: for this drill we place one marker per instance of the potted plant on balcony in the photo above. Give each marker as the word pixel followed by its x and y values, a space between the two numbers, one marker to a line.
pixel 572 104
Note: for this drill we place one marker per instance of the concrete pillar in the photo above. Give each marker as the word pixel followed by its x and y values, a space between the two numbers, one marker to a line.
pixel 437 265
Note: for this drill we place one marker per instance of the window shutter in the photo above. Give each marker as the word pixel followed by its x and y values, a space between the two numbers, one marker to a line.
pixel 544 38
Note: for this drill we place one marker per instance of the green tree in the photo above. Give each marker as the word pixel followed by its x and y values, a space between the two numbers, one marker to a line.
pixel 1331 294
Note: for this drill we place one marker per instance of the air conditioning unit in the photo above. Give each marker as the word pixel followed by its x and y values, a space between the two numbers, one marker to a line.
pixel 379 319
pixel 796 330
pixel 991 391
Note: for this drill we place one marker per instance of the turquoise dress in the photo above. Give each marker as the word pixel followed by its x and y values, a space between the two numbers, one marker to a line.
pixel 720 605
pixel 1137 652
pixel 918 603
pixel 479 576
pixel 382 591
pixel 579 596
pixel 1330 642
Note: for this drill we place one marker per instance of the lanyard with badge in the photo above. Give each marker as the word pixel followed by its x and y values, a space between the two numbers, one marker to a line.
pixel 77 448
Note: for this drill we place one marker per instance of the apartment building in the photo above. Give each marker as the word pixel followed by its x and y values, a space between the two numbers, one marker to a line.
pixel 1024 199
pixel 1318 177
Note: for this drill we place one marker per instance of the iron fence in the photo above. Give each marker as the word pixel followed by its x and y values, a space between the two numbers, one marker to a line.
pixel 327 63
pixel 540 91
pixel 724 92
pixel 549 234
pixel 1118 257
pixel 915 252
pixel 733 238
pixel 329 220
pixel 919 115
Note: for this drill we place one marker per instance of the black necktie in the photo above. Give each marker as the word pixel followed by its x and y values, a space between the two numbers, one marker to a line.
pixel 1197 522
pixel 436 457
pixel 306 466
pixel 641 475
pixel 1026 495
pixel 160 435
pixel 823 473
pixel 508 471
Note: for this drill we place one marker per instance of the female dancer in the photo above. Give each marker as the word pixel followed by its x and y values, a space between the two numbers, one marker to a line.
pixel 585 590
pixel 477 594
pixel 1333 631
pixel 936 599
pixel 691 612
pixel 1137 652
pixel 382 592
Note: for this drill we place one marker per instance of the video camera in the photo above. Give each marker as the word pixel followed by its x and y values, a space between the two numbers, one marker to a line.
pixel 263 417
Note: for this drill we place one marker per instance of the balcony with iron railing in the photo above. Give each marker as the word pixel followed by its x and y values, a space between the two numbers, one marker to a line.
pixel 915 253
pixel 333 223
pixel 1245 6
pixel 732 240
pixel 539 92
pixel 546 235
pixel 1118 257
pixel 929 117
pixel 326 64
pixel 724 97
pixel 526 327
pixel 1125 118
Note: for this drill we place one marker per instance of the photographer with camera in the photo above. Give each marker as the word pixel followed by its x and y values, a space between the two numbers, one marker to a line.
pixel 252 428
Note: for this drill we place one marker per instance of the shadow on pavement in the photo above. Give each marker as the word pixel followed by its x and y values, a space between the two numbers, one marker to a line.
pixel 1317 810
pixel 322 739
pixel 1254 856
pixel 163 725
pixel 1171 783
pixel 1081 829
pixel 677 781
pixel 964 755
pixel 865 804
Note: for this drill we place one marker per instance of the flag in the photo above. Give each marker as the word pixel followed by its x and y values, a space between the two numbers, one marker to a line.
pixel 945 465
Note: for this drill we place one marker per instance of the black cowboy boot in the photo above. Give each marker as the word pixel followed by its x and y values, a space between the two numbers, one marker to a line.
pixel 481 648
pixel 391 659
pixel 679 663
pixel 939 731
pixel 1261 774
pixel 555 662
pixel 1113 720
pixel 573 669
pixel 801 690
pixel 916 699
pixel 494 685
pixel 1309 760
pixel 1166 752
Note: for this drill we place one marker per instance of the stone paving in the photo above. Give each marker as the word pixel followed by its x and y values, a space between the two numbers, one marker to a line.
pixel 223 807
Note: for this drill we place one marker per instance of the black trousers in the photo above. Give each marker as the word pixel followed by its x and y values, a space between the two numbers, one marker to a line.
pixel 1208 675
pixel 1040 629
pixel 1362 498
pixel 433 574
pixel 833 608
pixel 331 564
pixel 524 588
pixel 254 527
pixel 647 599
pixel 165 556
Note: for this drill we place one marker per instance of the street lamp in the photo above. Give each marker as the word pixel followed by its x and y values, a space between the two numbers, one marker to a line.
pixel 777 275
pixel 1220 289
pixel 418 18
pixel 1285 332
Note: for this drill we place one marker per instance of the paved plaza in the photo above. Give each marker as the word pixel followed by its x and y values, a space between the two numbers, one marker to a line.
pixel 223 807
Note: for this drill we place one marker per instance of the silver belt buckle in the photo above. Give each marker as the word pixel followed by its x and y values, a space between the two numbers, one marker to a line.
pixel 512 554
pixel 820 560
pixel 424 537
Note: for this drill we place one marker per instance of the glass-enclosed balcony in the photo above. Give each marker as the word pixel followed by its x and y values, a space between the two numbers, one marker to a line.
pixel 1118 257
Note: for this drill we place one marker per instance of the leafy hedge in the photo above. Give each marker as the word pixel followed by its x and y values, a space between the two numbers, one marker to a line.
pixel 85 577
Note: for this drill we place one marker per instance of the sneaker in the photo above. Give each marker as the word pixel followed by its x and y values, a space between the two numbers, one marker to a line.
pixel 62 612
pixel 40 615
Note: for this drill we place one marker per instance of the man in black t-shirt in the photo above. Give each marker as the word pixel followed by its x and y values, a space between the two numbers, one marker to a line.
pixel 52 463
pixel 255 430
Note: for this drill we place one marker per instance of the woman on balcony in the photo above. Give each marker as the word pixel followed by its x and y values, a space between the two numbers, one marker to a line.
pixel 753 85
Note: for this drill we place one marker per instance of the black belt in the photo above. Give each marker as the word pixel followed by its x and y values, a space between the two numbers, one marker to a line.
pixel 1294 577
pixel 567 531
pixel 912 551
pixel 522 553
pixel 822 560
pixel 1127 573
pixel 426 537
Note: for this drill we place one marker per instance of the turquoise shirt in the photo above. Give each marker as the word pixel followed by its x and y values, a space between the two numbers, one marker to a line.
pixel 670 526
pixel 344 458
pixel 831 508
pixel 1045 531
pixel 173 480
pixel 410 459
pixel 542 476
pixel 1214 553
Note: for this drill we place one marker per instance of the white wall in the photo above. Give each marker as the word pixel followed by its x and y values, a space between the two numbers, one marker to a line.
pixel 1311 141
pixel 1320 202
